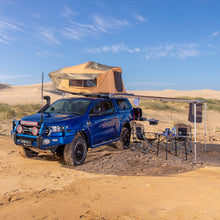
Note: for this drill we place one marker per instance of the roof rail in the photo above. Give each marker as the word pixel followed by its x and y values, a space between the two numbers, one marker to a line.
pixel 131 95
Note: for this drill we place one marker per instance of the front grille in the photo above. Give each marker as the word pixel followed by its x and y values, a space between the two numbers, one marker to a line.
pixel 28 129
pixel 47 132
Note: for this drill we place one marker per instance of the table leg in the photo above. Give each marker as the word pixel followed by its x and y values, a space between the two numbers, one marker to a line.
pixel 166 148
pixel 158 144
pixel 175 147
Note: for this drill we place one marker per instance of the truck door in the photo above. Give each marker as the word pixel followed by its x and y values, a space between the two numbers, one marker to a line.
pixel 104 123
pixel 112 124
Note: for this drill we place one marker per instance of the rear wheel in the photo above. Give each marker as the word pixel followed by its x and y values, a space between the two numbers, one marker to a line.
pixel 26 152
pixel 75 152
pixel 125 137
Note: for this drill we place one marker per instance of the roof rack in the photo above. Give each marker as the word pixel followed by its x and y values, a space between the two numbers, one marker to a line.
pixel 131 95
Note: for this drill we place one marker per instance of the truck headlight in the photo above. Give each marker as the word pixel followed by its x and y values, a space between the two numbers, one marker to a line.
pixel 55 129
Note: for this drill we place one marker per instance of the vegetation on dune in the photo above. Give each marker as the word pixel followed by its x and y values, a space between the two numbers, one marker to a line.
pixel 17 111
pixel 6 112
pixel 158 105
pixel 213 104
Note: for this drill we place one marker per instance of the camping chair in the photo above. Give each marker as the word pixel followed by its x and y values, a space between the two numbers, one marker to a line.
pixel 184 130
pixel 140 140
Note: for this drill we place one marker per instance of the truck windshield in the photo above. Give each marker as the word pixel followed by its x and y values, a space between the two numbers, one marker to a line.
pixel 66 106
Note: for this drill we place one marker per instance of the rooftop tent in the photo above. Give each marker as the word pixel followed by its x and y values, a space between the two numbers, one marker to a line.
pixel 88 77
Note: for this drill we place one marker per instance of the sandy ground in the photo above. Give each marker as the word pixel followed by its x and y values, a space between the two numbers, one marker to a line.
pixel 112 184
pixel 143 187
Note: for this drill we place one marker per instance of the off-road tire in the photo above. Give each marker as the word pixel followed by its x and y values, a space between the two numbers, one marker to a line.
pixel 26 152
pixel 125 137
pixel 60 151
pixel 75 152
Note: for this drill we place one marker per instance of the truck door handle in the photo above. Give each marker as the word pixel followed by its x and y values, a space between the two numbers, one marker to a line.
pixel 89 123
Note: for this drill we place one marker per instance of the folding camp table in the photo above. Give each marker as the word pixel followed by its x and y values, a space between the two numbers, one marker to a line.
pixel 179 141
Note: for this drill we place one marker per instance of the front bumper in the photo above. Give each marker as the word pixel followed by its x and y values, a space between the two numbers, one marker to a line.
pixel 43 143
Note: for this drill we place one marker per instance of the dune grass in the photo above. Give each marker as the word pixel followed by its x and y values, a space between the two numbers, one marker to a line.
pixel 213 104
pixel 17 111
pixel 158 105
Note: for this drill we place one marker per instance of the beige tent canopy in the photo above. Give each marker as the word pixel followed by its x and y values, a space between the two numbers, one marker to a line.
pixel 88 77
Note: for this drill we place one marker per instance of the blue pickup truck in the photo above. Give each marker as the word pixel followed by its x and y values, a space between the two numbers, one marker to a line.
pixel 70 126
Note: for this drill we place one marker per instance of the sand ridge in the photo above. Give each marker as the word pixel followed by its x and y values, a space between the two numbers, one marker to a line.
pixel 32 93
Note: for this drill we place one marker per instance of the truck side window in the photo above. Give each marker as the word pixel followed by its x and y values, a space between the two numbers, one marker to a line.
pixel 97 108
pixel 108 107
pixel 123 104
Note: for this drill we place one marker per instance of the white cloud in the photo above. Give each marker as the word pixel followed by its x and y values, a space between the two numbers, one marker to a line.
pixel 107 24
pixel 6 29
pixel 14 76
pixel 78 31
pixel 172 50
pixel 215 34
pixel 99 25
pixel 135 50
pixel 47 35
pixel 67 12
pixel 114 48
pixel 117 48
pixel 140 18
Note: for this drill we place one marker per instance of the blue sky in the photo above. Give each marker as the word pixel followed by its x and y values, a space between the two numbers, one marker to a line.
pixel 159 44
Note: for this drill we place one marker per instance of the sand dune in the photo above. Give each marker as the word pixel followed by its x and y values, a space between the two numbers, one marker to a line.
pixel 26 94
pixel 3 86
pixel 205 93
pixel 32 93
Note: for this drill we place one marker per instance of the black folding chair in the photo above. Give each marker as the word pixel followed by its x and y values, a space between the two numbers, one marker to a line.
pixel 140 140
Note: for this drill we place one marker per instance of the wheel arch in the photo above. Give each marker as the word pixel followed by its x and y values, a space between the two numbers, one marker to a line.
pixel 127 125
pixel 86 136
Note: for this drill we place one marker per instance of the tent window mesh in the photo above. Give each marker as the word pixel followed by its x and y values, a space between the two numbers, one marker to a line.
pixel 83 83
pixel 118 81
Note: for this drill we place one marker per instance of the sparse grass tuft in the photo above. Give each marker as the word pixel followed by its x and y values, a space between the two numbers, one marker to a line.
pixel 213 104
pixel 158 105
pixel 6 112
pixel 17 111
pixel 27 109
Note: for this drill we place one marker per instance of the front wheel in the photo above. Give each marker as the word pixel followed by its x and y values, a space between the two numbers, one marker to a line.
pixel 75 152
pixel 125 137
